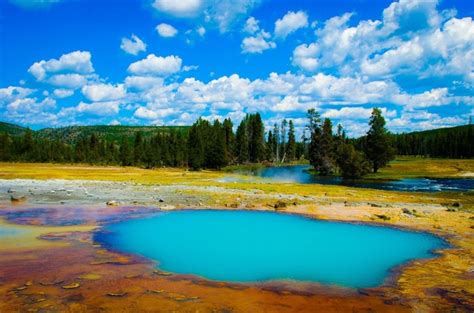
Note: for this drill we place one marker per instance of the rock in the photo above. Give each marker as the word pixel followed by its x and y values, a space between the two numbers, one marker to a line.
pixel 162 273
pixel 279 205
pixel 383 217
pixel 375 205
pixel 10 190
pixel 112 203
pixel 406 211
pixel 17 199
pixel 71 286
pixel 117 294
pixel 456 205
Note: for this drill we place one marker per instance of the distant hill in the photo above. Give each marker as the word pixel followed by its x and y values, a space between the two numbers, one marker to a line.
pixel 12 129
pixel 72 134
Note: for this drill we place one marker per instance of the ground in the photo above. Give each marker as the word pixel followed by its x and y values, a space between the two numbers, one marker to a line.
pixel 53 231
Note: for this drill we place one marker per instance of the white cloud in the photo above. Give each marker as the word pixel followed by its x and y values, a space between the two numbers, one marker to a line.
pixel 182 8
pixel 356 113
pixel 291 22
pixel 63 93
pixel 148 114
pixel 220 13
pixel 11 93
pixel 107 108
pixel 304 56
pixel 166 30
pixel 201 31
pixel 134 45
pixel 251 25
pixel 103 92
pixel 75 62
pixel 72 81
pixel 413 38
pixel 143 82
pixel 153 65
pixel 258 43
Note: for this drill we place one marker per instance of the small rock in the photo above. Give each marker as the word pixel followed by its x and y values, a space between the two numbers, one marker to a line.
pixel 456 205
pixel 162 273
pixel 17 199
pixel 279 205
pixel 71 286
pixel 112 203
pixel 10 190
pixel 117 294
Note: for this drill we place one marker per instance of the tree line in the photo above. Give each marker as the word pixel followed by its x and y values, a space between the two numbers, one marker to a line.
pixel 214 145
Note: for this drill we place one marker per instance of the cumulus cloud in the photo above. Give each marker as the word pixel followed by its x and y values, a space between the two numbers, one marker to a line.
pixel 220 13
pixel 63 93
pixel 183 8
pixel 166 30
pixel 107 108
pixel 413 38
pixel 291 22
pixel 134 45
pixel 356 113
pixel 72 81
pixel 76 62
pixel 159 66
pixel 259 40
pixel 148 114
pixel 103 92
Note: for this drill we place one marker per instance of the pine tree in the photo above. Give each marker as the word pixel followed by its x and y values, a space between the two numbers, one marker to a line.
pixel 377 145
pixel 125 153
pixel 242 142
pixel 196 146
pixel 291 148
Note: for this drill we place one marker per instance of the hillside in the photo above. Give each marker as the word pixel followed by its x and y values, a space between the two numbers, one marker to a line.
pixel 12 129
pixel 73 133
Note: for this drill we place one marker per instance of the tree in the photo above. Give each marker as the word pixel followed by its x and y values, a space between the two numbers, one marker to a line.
pixel 377 145
pixel 138 148
pixel 196 145
pixel 256 140
pixel 229 139
pixel 216 156
pixel 291 147
pixel 314 127
pixel 352 163
pixel 125 156
pixel 242 142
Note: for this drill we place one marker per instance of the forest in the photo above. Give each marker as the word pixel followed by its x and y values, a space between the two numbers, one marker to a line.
pixel 214 145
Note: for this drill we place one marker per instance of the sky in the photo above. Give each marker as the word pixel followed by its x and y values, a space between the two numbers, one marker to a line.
pixel 166 62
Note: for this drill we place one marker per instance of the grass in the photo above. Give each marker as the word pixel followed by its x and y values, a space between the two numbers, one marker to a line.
pixel 171 176
pixel 417 167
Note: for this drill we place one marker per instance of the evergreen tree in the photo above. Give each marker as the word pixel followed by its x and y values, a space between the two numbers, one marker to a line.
pixel 196 145
pixel 138 148
pixel 291 148
pixel 125 153
pixel 377 145
pixel 229 139
pixel 242 142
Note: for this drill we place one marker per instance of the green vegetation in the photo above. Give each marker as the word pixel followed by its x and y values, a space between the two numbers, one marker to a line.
pixel 214 145
pixel 73 134
pixel 453 142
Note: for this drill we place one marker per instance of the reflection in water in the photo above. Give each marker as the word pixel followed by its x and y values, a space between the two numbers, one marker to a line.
pixel 300 174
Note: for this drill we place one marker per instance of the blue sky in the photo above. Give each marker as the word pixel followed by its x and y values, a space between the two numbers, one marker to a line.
pixel 145 62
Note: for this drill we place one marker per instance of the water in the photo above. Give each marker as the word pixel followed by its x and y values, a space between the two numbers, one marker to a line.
pixel 246 246
pixel 300 174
